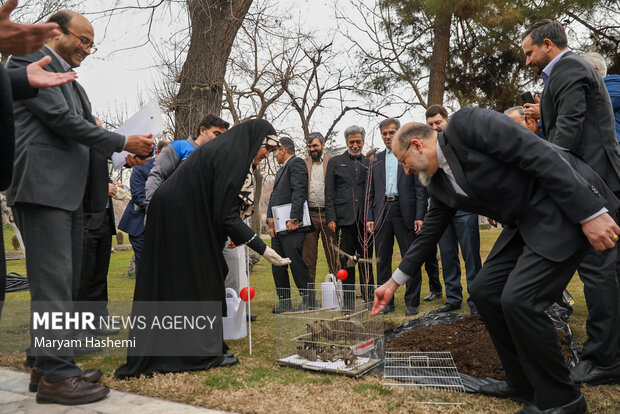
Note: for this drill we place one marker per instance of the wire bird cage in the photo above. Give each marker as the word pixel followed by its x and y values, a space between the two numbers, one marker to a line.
pixel 329 330
pixel 421 370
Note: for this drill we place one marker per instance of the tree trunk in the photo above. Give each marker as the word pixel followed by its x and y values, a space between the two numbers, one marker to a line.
pixel 439 59
pixel 214 26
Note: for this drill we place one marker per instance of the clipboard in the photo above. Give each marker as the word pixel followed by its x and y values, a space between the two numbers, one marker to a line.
pixel 282 213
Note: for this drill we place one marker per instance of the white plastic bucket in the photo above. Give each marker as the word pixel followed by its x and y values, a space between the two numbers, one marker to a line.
pixel 331 290
pixel 235 326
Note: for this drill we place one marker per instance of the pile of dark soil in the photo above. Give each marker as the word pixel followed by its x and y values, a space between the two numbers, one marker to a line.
pixel 468 341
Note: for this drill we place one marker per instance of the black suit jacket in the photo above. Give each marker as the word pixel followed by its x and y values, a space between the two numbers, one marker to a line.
pixel 412 197
pixel 291 186
pixel 345 190
pixel 577 114
pixel 510 175
pixel 97 202
pixel 13 86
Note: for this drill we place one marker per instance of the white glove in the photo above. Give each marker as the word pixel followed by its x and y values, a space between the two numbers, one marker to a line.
pixel 274 258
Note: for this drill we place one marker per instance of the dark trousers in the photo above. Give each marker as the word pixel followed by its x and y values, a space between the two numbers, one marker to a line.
pixel 290 245
pixel 53 243
pixel 95 264
pixel 392 225
pixel 511 292
pixel 311 244
pixel 136 243
pixel 598 273
pixel 464 230
pixel 355 240
pixel 431 265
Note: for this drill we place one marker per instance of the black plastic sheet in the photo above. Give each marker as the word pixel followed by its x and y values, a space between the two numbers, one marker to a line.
pixel 557 313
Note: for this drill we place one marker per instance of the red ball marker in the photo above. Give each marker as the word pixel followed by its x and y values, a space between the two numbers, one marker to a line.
pixel 244 294
pixel 342 274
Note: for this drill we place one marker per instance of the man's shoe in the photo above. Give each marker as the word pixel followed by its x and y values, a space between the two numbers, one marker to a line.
pixel 388 309
pixel 412 310
pixel 90 375
pixel 474 310
pixel 589 373
pixel 72 391
pixel 251 317
pixel 448 307
pixel 280 309
pixel 228 361
pixel 502 389
pixel 578 406
pixel 433 296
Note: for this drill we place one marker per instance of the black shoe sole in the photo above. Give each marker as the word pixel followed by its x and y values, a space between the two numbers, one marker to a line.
pixel 50 399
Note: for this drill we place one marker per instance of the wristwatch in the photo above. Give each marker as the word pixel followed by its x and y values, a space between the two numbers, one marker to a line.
pixel 294 221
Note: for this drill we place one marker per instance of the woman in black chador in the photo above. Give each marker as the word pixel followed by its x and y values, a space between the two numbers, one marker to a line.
pixel 189 218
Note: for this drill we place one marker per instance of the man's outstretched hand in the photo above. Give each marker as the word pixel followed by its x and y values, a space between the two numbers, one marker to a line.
pixel 140 144
pixel 40 78
pixel 601 231
pixel 383 294
pixel 21 39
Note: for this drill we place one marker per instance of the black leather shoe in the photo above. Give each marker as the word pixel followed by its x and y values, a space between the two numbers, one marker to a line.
pixel 90 375
pixel 228 361
pixel 474 310
pixel 251 317
pixel 576 407
pixel 388 309
pixel 502 389
pixel 433 296
pixel 589 373
pixel 412 310
pixel 448 307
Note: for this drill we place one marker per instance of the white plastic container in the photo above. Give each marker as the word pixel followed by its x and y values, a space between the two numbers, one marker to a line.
pixel 331 290
pixel 235 326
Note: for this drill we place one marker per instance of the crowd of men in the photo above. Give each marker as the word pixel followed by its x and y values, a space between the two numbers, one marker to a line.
pixel 527 175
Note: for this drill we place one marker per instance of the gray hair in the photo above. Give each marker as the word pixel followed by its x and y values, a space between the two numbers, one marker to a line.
pixel 314 135
pixel 547 29
pixel 596 60
pixel 518 109
pixel 389 121
pixel 354 129
pixel 288 145
pixel 414 130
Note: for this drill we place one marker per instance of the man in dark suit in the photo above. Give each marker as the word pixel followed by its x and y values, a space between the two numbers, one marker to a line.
pixel 463 231
pixel 290 187
pixel 347 208
pixel 484 162
pixel 577 114
pixel 17 84
pixel 132 221
pixel 54 132
pixel 398 209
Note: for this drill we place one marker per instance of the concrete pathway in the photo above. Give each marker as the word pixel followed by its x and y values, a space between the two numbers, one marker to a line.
pixel 15 399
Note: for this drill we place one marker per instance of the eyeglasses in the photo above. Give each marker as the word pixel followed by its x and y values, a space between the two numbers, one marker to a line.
pixel 386 133
pixel 402 160
pixel 84 42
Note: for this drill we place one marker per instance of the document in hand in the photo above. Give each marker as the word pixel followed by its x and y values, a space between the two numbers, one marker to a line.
pixel 282 214
pixel 146 121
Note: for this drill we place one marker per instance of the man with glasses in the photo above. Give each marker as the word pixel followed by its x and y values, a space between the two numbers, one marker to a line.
pixel 552 206
pixel 398 209
pixel 55 132
pixel 463 231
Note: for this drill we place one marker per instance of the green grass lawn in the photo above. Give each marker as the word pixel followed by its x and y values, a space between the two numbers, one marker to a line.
pixel 257 384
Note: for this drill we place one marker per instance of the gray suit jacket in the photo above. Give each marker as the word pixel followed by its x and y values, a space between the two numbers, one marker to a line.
pixel 577 114
pixel 52 140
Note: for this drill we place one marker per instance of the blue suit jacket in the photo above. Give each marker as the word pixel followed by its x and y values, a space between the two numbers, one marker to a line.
pixel 132 221
pixel 412 196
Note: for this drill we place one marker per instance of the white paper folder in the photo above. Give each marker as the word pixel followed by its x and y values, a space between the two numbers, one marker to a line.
pixel 282 213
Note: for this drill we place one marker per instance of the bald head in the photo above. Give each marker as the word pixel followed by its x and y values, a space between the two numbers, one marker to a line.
pixel 76 40
pixel 414 147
